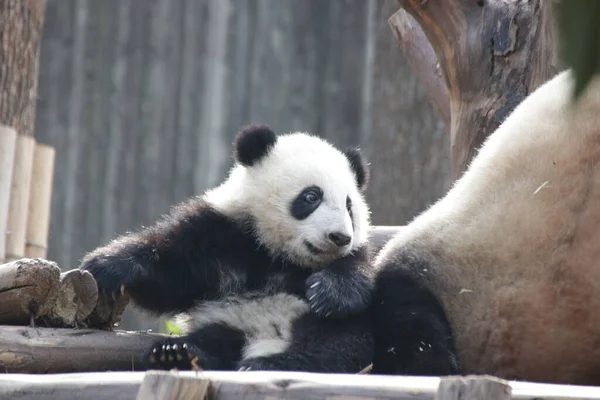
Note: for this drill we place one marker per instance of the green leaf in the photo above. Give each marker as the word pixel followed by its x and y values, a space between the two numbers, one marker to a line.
pixel 172 328
pixel 579 32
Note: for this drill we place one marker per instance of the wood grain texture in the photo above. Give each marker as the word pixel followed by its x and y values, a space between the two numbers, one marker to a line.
pixel 56 350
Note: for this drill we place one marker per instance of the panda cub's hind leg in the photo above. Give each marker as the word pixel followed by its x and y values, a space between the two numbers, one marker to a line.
pixel 216 347
pixel 320 345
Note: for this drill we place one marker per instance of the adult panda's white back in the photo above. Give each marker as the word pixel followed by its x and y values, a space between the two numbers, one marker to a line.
pixel 512 252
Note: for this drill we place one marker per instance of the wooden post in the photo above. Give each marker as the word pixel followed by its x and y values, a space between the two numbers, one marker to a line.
pixel 8 138
pixel 40 198
pixel 492 53
pixel 19 198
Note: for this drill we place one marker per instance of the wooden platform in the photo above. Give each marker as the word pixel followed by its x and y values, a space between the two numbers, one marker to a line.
pixel 274 385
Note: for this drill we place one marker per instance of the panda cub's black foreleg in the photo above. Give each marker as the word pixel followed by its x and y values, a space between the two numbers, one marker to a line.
pixel 412 334
pixel 170 265
pixel 216 347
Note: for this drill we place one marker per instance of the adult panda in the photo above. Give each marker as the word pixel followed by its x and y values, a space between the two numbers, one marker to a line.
pixel 270 269
pixel 502 275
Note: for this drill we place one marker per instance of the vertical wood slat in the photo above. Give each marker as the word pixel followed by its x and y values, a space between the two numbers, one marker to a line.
pixel 8 140
pixel 19 198
pixel 40 197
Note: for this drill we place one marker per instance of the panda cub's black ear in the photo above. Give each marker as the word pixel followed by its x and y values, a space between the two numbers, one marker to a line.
pixel 252 143
pixel 359 167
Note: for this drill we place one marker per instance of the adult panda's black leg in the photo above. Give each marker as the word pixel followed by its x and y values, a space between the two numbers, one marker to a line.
pixel 412 334
pixel 169 266
pixel 321 345
pixel 213 347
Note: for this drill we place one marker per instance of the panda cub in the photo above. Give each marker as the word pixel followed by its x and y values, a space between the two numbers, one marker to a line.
pixel 269 270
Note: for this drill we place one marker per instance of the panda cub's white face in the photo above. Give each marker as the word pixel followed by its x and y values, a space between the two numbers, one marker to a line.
pixel 304 195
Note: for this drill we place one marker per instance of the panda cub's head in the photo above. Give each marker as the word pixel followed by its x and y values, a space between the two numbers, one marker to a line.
pixel 303 194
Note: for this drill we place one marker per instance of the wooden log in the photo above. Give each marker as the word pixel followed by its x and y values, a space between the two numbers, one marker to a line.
pixel 108 312
pixel 28 288
pixel 473 387
pixel 8 139
pixel 51 350
pixel 19 198
pixel 76 299
pixel 40 199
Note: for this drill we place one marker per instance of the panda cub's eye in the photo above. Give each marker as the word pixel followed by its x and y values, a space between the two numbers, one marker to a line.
pixel 348 203
pixel 312 196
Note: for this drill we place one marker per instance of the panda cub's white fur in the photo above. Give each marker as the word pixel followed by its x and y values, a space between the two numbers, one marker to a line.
pixel 266 321
pixel 265 191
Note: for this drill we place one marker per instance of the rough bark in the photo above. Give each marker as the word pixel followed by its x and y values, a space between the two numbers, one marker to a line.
pixel 56 350
pixel 492 53
pixel 21 23
pixel 28 289
pixel 33 290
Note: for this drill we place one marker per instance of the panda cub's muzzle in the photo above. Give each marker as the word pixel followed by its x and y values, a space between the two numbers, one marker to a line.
pixel 335 243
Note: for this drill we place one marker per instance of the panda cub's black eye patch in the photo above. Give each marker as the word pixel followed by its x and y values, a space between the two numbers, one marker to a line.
pixel 348 204
pixel 306 202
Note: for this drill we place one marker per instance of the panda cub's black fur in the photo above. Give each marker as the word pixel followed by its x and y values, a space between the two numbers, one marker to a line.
pixel 271 269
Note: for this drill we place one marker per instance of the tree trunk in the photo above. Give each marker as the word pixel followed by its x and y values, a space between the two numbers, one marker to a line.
pixel 492 54
pixel 21 24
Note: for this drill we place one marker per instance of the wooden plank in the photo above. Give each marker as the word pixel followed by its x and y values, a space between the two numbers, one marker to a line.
pixel 473 387
pixel 40 199
pixel 19 198
pixel 85 386
pixel 8 140
pixel 159 385
pixel 262 385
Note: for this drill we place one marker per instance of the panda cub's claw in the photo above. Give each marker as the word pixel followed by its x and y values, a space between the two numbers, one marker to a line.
pixel 332 296
pixel 259 364
pixel 171 353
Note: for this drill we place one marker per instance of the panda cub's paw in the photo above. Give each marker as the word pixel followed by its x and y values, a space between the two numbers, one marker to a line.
pixel 332 295
pixel 172 353
pixel 111 273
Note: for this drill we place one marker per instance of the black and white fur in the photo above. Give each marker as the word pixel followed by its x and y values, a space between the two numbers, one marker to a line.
pixel 270 269
pixel 502 275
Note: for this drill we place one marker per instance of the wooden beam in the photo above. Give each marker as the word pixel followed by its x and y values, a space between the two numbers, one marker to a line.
pixel 263 385
pixel 53 350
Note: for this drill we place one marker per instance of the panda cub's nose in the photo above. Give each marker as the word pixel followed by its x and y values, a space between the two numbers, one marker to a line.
pixel 340 239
